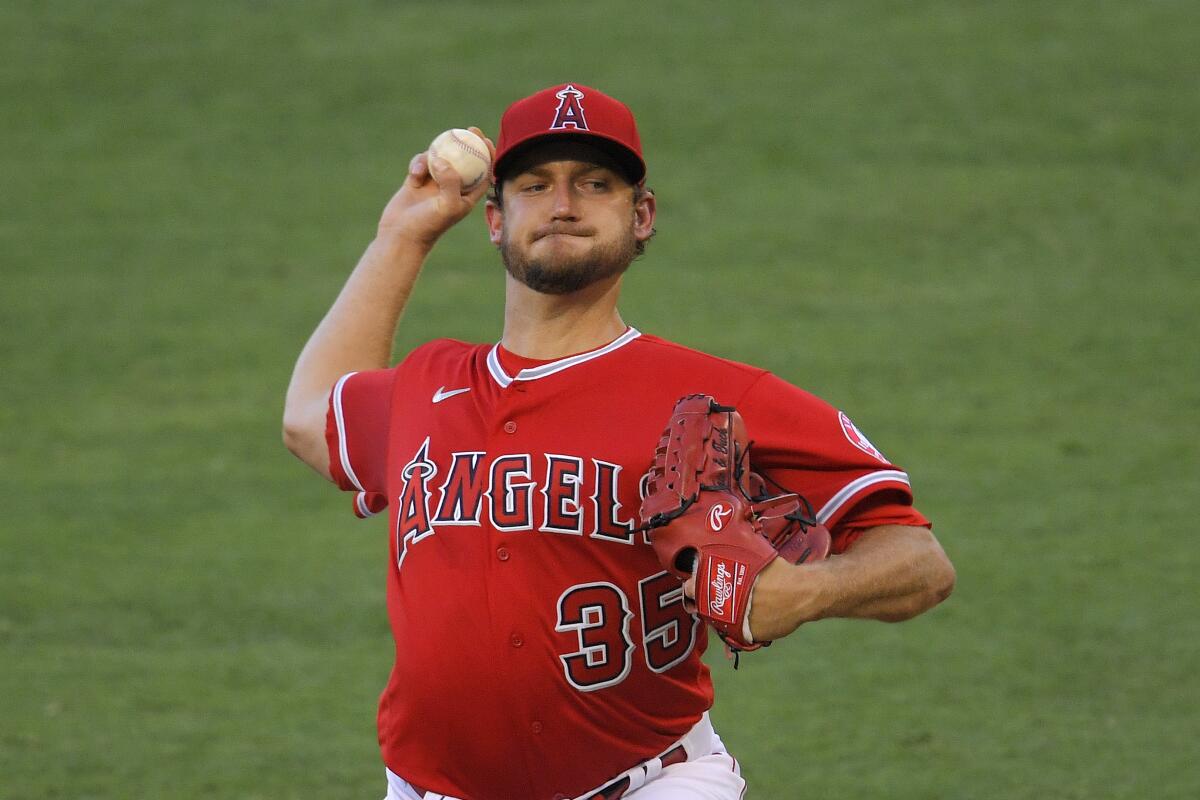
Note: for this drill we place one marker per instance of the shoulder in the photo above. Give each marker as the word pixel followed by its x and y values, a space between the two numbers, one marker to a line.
pixel 657 349
pixel 438 348
pixel 678 370
pixel 741 382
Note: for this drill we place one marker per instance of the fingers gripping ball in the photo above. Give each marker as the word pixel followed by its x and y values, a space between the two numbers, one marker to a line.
pixel 467 153
pixel 708 513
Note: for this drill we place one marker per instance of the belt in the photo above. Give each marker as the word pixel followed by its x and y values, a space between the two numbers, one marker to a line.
pixel 618 788
pixel 697 742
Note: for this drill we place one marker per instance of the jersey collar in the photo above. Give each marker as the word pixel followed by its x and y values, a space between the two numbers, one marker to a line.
pixel 533 373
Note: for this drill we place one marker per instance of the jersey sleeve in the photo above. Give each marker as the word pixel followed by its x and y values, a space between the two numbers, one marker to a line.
pixel 808 447
pixel 356 430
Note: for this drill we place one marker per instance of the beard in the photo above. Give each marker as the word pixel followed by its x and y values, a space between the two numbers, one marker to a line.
pixel 569 273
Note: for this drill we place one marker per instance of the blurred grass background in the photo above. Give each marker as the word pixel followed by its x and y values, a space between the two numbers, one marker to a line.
pixel 971 225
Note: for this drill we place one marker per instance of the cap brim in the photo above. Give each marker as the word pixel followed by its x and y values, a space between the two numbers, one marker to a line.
pixel 630 164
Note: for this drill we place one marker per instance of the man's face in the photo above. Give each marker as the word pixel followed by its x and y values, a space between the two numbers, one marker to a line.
pixel 568 219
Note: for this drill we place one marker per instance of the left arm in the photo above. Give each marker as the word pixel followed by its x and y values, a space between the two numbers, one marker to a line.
pixel 892 573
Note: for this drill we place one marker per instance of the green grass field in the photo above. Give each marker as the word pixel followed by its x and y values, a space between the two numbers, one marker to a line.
pixel 974 226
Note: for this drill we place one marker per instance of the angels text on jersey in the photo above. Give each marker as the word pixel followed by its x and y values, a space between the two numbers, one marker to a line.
pixel 551 493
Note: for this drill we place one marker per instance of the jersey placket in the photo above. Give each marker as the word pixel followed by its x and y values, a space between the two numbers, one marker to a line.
pixel 512 484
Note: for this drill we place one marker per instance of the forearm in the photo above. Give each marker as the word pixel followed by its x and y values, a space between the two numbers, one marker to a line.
pixel 356 334
pixel 891 573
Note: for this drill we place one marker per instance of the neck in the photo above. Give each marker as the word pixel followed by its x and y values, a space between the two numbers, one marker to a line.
pixel 547 326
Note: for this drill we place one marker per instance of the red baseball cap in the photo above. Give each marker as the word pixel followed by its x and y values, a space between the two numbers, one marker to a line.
pixel 571 109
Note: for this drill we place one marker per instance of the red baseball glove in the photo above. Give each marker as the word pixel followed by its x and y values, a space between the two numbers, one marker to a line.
pixel 709 514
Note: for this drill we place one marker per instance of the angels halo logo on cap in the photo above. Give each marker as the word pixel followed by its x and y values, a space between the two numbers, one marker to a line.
pixel 569 113
pixel 572 110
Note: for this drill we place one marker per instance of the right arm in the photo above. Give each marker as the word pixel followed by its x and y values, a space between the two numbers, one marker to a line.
pixel 356 334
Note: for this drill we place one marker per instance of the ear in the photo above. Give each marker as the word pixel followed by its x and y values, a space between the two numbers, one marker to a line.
pixel 644 211
pixel 495 221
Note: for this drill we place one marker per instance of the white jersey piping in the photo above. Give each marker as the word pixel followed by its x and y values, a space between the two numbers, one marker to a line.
pixel 533 373
pixel 857 485
pixel 340 419
pixel 360 502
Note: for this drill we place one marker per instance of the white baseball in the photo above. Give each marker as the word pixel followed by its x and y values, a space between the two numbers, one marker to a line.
pixel 466 152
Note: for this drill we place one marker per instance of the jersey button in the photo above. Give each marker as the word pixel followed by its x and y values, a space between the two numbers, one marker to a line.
pixel 515 640
pixel 510 427
pixel 536 727
pixel 502 553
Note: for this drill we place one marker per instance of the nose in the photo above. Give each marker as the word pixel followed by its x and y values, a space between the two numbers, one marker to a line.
pixel 564 201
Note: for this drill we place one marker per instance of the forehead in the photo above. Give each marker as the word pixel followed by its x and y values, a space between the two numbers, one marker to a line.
pixel 562 148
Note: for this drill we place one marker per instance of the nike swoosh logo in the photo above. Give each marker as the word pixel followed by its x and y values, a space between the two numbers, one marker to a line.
pixel 441 394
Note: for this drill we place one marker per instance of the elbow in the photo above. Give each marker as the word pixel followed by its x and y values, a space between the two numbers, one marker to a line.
pixel 936 584
pixel 295 436
pixel 303 422
pixel 940 578
pixel 304 435
pixel 946 578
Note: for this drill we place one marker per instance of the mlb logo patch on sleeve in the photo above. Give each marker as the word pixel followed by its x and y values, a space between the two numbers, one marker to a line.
pixel 858 439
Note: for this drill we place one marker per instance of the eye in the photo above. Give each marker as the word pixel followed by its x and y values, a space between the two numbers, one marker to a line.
pixel 533 187
pixel 595 184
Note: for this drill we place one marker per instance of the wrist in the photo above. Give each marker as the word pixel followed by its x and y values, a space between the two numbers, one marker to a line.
pixel 397 241
pixel 778 604
pixel 786 596
pixel 810 587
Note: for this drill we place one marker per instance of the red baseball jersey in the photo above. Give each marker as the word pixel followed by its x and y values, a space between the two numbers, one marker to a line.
pixel 541 649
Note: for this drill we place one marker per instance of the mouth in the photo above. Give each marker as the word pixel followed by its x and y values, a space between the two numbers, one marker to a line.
pixel 552 233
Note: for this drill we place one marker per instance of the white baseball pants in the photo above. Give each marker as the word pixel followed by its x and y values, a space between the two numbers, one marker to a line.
pixel 710 773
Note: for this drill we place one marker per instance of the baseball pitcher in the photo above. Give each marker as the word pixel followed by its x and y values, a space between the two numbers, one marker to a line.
pixel 572 508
